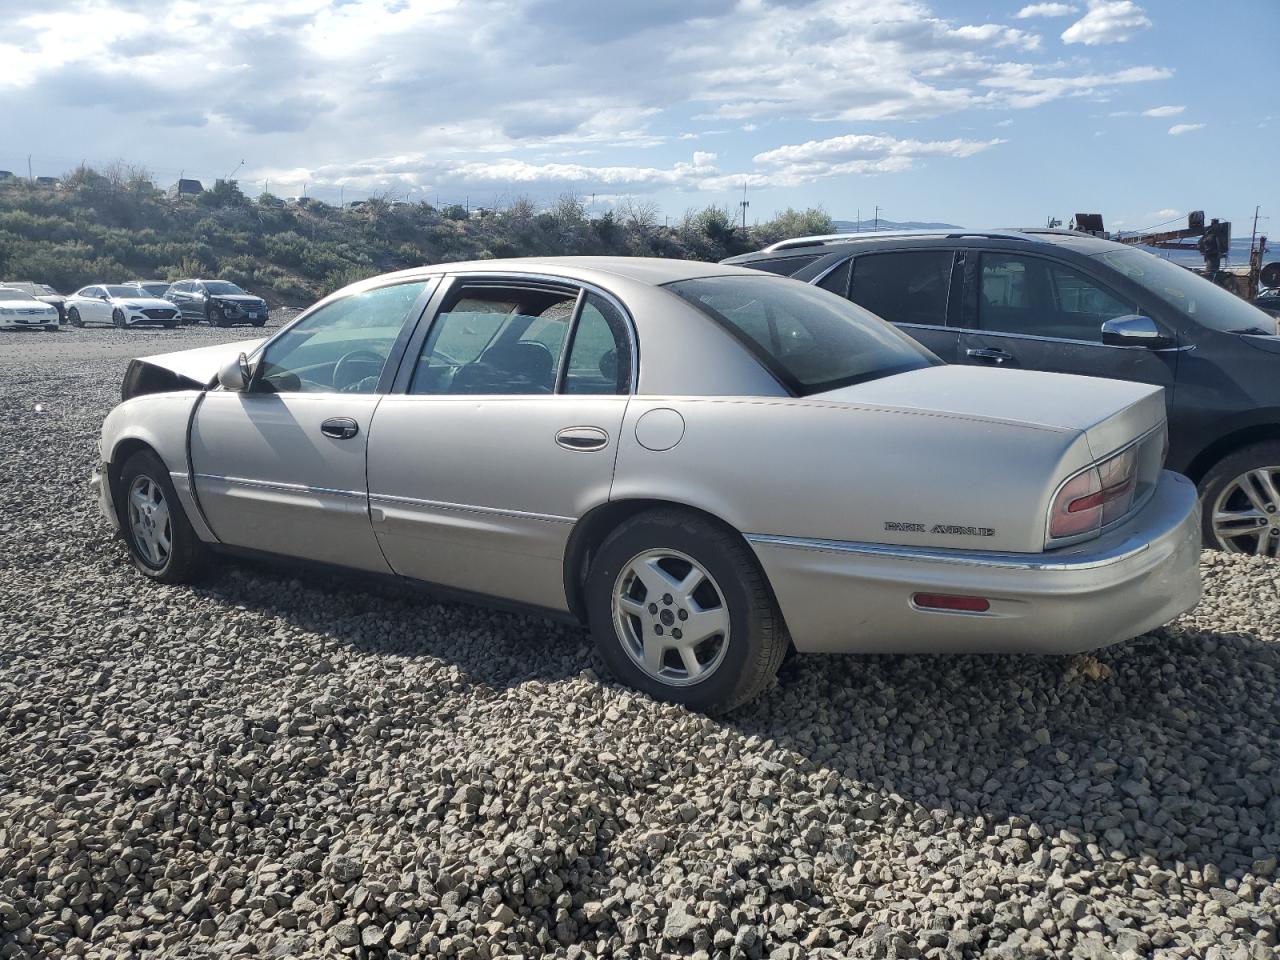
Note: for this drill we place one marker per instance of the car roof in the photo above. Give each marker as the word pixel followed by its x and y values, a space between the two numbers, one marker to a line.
pixel 1083 243
pixel 653 271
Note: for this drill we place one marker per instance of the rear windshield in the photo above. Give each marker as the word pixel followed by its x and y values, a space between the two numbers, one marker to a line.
pixel 1206 303
pixel 811 340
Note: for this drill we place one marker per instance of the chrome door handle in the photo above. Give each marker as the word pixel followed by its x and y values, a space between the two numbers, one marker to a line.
pixel 582 439
pixel 340 428
pixel 994 354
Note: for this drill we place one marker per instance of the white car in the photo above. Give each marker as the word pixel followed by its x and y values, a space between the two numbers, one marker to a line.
pixel 20 309
pixel 119 304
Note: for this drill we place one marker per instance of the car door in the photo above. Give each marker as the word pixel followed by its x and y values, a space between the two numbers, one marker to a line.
pixel 916 290
pixel 178 297
pixel 501 431
pixel 1035 312
pixel 96 307
pixel 280 466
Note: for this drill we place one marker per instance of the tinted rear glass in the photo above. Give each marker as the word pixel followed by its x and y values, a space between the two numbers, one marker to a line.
pixel 809 339
pixel 904 287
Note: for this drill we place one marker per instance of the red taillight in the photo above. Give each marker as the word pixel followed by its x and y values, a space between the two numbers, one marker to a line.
pixel 1095 497
pixel 951 601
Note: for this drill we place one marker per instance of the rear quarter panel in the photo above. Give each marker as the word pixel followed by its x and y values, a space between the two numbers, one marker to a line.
pixel 840 471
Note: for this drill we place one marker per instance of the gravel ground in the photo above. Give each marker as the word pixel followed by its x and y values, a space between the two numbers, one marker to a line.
pixel 280 766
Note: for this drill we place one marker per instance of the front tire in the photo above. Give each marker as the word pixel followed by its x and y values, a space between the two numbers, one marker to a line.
pixel 1240 498
pixel 679 608
pixel 117 317
pixel 73 318
pixel 162 544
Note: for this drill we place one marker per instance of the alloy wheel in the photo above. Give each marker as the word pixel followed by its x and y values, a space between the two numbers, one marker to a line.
pixel 149 521
pixel 1246 514
pixel 671 617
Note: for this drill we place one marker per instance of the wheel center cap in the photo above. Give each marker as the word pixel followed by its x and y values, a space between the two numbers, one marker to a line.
pixel 667 617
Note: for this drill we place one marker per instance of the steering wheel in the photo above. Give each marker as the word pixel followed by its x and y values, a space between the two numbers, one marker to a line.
pixel 343 374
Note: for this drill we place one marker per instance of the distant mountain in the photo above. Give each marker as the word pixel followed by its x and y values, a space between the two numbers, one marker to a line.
pixel 866 226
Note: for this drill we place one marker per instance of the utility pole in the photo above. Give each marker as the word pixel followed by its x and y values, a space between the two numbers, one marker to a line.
pixel 857 226
pixel 876 226
pixel 30 177
pixel 744 204
pixel 1254 236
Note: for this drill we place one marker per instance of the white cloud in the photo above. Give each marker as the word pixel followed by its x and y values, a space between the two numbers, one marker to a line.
pixel 1023 87
pixel 437 91
pixel 1178 129
pixel 789 165
pixel 1107 21
pixel 1163 111
pixel 1046 10
pixel 1006 122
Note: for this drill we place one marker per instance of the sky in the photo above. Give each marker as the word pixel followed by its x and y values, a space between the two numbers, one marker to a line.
pixel 980 113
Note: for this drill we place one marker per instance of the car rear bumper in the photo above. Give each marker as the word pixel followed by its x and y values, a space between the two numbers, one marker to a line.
pixel 839 597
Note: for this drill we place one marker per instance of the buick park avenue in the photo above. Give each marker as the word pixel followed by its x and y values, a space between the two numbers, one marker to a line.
pixel 704 464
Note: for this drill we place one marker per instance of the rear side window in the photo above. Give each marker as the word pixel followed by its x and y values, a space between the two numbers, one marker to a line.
pixel 784 266
pixel 904 287
pixel 496 340
pixel 837 281
pixel 600 357
pixel 809 340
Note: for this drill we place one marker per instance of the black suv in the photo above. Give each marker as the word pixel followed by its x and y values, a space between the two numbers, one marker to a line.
pixel 218 302
pixel 1072 303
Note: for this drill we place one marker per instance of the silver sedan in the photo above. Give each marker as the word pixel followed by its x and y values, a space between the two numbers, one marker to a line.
pixel 704 464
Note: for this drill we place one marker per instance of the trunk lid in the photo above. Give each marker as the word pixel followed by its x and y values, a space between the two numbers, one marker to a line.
pixel 1109 413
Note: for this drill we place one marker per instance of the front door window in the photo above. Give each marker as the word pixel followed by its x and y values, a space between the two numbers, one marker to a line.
pixel 1038 297
pixel 341 347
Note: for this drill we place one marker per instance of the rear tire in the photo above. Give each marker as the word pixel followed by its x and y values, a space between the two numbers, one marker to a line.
pixel 1240 501
pixel 73 318
pixel 680 609
pixel 162 544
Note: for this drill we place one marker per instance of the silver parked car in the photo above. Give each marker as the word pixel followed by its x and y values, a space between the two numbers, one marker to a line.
pixel 705 464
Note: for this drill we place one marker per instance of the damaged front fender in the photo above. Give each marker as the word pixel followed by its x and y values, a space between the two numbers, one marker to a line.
pixel 183 370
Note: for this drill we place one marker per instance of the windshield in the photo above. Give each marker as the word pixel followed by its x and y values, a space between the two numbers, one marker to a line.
pixel 221 287
pixel 119 290
pixel 809 339
pixel 13 295
pixel 1206 303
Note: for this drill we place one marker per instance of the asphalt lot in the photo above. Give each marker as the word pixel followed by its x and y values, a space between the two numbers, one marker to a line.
pixel 277 764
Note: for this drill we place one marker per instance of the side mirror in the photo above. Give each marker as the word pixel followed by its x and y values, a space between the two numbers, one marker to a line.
pixel 235 374
pixel 1134 331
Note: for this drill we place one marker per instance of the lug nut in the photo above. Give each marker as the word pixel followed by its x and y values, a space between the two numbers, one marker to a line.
pixel 657 628
pixel 683 614
pixel 676 633
pixel 653 608
pixel 666 598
